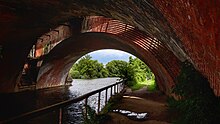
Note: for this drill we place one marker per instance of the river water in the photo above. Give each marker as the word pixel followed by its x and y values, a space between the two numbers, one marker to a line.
pixel 73 114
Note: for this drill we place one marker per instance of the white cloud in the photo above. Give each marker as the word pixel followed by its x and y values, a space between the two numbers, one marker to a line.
pixel 106 55
pixel 110 53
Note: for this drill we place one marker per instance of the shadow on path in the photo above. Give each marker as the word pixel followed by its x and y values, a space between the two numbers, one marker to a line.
pixel 141 101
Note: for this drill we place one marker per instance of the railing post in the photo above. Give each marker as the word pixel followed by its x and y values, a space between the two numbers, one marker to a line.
pixel 99 101
pixel 106 96
pixel 121 87
pixel 111 90
pixel 60 115
pixel 59 106
pixel 117 88
pixel 86 111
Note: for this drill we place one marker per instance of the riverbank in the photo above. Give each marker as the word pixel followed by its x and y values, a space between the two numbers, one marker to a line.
pixel 142 101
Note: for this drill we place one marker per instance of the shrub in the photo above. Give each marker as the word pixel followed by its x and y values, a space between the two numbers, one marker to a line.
pixel 197 103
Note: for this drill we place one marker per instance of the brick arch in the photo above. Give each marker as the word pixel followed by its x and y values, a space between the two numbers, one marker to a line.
pixel 190 29
pixel 141 14
pixel 129 33
pixel 59 61
pixel 197 24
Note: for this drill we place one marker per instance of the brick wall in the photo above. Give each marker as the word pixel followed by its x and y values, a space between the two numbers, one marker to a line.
pixel 197 24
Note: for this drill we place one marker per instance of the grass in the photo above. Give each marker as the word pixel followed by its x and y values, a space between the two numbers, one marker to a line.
pixel 151 85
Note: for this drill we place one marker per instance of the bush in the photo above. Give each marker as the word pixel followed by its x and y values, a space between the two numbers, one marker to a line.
pixel 75 74
pixel 93 118
pixel 197 103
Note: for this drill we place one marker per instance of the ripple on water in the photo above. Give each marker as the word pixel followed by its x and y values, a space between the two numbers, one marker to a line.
pixel 73 114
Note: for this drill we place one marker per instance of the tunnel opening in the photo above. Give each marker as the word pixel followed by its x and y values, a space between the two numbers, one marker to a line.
pixel 105 67
pixel 108 63
pixel 151 50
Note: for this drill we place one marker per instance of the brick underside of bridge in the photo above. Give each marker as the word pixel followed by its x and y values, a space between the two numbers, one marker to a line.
pixel 161 33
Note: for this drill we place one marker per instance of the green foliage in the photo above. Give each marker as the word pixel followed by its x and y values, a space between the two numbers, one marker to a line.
pixel 74 73
pixel 136 72
pixel 117 68
pixel 150 84
pixel 87 68
pixel 113 101
pixel 93 118
pixel 198 104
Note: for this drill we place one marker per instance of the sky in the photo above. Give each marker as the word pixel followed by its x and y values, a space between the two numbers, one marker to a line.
pixel 107 55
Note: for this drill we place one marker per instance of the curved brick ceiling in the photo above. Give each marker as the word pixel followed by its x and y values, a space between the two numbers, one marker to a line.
pixel 197 25
pixel 59 61
pixel 162 61
pixel 181 25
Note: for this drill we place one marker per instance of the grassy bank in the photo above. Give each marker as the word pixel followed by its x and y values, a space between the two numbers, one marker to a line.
pixel 150 84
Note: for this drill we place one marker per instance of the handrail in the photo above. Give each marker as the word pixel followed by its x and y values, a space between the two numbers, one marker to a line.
pixel 62 104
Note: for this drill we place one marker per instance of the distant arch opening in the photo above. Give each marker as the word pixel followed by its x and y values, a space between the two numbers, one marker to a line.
pixel 107 63
pixel 59 60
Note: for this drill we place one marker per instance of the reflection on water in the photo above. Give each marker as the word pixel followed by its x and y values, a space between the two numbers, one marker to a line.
pixel 73 114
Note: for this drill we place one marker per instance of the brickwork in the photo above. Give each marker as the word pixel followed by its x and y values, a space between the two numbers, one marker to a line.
pixel 197 24
pixel 188 29
pixel 154 53
pixel 51 39
pixel 150 45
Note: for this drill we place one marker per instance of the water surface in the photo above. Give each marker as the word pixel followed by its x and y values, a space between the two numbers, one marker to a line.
pixel 73 113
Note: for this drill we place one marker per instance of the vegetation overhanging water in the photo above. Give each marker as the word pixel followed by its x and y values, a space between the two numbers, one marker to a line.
pixel 136 73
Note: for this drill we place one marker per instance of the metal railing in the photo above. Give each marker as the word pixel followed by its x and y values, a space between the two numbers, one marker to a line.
pixel 59 106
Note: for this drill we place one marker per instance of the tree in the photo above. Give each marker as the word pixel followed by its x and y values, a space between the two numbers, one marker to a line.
pixel 74 73
pixel 87 68
pixel 117 68
pixel 133 71
pixel 138 71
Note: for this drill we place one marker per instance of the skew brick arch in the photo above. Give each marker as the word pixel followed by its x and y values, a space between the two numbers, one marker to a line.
pixel 131 34
pixel 185 26
pixel 59 61
pixel 197 24
pixel 142 14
